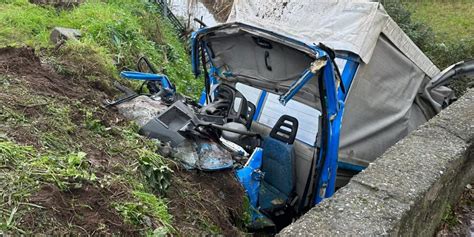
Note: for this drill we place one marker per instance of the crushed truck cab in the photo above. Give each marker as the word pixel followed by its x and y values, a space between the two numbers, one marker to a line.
pixel 287 81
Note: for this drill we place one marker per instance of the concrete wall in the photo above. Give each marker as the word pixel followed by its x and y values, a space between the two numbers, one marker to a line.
pixel 406 190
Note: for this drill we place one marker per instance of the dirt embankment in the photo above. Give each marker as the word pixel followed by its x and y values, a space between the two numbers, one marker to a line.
pixel 200 203
pixel 32 88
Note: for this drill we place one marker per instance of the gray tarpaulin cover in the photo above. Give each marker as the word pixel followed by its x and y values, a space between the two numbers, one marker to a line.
pixel 384 102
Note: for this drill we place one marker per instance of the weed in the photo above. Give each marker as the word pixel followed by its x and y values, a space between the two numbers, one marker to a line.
pixel 449 217
pixel 144 207
pixel 210 228
pixel 11 116
pixel 156 172
pixel 4 82
pixel 26 170
pixel 115 34
pixel 60 118
pixel 93 123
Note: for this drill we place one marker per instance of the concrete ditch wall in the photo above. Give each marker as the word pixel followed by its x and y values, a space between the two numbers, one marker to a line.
pixel 406 191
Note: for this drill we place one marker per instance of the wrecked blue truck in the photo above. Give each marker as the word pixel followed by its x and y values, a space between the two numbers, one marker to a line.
pixel 295 111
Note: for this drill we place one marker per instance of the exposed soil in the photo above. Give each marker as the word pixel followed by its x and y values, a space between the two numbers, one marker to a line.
pixel 199 202
pixel 23 64
pixel 87 210
pixel 461 220
pixel 39 81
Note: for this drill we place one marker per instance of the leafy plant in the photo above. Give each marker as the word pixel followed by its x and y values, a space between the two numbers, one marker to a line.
pixel 93 123
pixel 143 207
pixel 449 217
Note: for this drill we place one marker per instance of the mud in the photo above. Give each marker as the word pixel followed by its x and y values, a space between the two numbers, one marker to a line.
pixel 205 201
pixel 87 209
pixel 27 67
pixel 199 202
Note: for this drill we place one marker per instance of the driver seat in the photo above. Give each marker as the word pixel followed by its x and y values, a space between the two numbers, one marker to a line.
pixel 277 190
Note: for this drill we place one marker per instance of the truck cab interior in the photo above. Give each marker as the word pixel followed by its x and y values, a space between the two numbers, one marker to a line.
pixel 261 67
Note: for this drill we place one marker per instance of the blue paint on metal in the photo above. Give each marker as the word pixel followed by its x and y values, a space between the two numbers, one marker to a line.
pixel 202 98
pixel 325 186
pixel 307 75
pixel 258 108
pixel 143 76
pixel 348 166
pixel 250 177
pixel 350 69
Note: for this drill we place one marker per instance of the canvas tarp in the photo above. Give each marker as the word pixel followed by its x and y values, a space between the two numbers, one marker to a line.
pixel 380 109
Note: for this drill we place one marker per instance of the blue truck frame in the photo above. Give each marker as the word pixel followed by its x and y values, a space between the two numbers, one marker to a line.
pixel 333 103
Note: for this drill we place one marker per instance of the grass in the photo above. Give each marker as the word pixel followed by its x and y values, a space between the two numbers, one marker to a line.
pixel 68 134
pixel 444 30
pixel 120 31
pixel 61 159
pixel 144 206
pixel 449 217
pixel 450 20
pixel 26 169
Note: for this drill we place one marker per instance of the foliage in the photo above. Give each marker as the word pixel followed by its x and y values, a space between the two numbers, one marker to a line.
pixel 142 208
pixel 156 172
pixel 442 50
pixel 450 20
pixel 115 32
pixel 25 169
pixel 449 217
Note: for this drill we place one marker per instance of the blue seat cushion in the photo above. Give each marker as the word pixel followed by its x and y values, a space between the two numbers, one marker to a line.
pixel 278 168
pixel 270 198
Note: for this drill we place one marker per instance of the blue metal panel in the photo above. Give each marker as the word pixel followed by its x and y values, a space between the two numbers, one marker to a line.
pixel 350 69
pixel 325 186
pixel 335 99
pixel 349 166
pixel 259 106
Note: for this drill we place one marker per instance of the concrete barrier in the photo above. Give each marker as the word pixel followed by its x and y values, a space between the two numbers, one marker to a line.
pixel 405 191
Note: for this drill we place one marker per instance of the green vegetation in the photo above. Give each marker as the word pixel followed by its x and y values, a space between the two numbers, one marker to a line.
pixel 55 134
pixel 68 136
pixel 144 206
pixel 118 31
pixel 451 21
pixel 449 217
pixel 443 30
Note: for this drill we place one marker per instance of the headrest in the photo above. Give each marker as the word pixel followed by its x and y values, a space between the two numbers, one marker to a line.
pixel 285 129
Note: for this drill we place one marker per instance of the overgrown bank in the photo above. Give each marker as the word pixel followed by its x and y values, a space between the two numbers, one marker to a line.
pixel 442 30
pixel 70 166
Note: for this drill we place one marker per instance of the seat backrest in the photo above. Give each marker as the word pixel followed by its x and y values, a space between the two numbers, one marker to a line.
pixel 278 162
